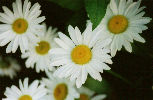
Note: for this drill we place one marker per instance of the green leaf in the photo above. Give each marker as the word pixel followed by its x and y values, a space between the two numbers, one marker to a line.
pixel 98 87
pixel 70 4
pixel 96 10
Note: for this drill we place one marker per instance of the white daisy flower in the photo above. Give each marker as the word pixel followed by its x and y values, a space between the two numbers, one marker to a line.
pixel 38 54
pixel 8 67
pixel 20 26
pixel 87 94
pixel 123 22
pixel 34 91
pixel 81 55
pixel 59 89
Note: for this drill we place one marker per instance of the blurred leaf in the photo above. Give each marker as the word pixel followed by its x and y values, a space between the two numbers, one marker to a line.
pixel 98 87
pixel 96 10
pixel 78 19
pixel 70 4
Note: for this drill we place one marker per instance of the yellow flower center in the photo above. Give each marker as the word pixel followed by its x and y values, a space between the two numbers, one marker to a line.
pixel 81 54
pixel 84 97
pixel 118 24
pixel 42 48
pixel 20 26
pixel 25 97
pixel 60 92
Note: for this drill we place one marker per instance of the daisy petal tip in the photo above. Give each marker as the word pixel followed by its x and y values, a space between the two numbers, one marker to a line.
pixel 130 51
pixel 3 7
pixel 59 33
pixel 7 51
pixel 143 41
pixel 108 68
pixel 13 51
pixel 111 62
pixel 100 79
pixel 78 86
pixel 70 28
pixel 113 54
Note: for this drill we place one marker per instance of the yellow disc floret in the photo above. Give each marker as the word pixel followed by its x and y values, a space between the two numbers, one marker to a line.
pixel 118 24
pixel 60 92
pixel 43 47
pixel 81 54
pixel 84 97
pixel 25 97
pixel 20 26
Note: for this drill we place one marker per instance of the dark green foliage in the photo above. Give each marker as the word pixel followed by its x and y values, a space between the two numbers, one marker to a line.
pixel 96 10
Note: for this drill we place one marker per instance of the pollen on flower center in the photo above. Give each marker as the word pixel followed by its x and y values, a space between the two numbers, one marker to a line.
pixel 118 24
pixel 25 97
pixel 81 54
pixel 20 26
pixel 42 48
pixel 60 92
pixel 84 97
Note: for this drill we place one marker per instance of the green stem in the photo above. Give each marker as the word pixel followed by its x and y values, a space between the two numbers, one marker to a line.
pixel 120 77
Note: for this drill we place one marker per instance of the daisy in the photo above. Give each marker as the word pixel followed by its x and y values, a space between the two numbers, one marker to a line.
pixel 59 89
pixel 80 55
pixel 87 94
pixel 21 26
pixel 8 67
pixel 123 22
pixel 34 91
pixel 38 54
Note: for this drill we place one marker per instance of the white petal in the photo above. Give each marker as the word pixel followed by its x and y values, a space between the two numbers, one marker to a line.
pixel 72 34
pixel 84 74
pixel 95 38
pixel 99 97
pixel 15 44
pixel 103 43
pixel 25 42
pixel 6 18
pixel 93 73
pixel 19 7
pixel 8 12
pixel 78 35
pixel 66 39
pixel 130 9
pixel 4 27
pixel 58 51
pixel 59 62
pixel 113 7
pixel 122 6
pixel 61 43
pixel 127 46
pixel 87 34
pixel 137 37
pixel 15 10
pixel 113 49
pixel 26 8
pixel 9 47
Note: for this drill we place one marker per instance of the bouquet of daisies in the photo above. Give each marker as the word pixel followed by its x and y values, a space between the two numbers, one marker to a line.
pixel 68 60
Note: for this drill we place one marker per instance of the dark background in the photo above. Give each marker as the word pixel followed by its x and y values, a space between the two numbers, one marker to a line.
pixel 137 67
